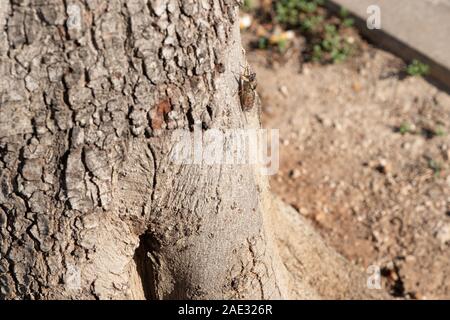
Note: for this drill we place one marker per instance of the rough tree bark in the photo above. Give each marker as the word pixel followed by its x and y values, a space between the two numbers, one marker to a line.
pixel 90 92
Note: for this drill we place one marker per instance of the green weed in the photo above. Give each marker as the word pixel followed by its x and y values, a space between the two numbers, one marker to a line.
pixel 417 68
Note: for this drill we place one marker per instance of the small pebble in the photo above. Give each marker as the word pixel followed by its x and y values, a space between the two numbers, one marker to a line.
pixel 294 174
pixel 284 91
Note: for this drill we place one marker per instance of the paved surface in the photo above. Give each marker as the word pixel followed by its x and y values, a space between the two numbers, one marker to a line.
pixel 412 29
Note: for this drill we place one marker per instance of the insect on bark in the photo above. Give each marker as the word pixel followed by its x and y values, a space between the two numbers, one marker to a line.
pixel 247 89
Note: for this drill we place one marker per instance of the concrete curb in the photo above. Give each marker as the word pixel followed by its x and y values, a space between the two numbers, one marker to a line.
pixel 411 29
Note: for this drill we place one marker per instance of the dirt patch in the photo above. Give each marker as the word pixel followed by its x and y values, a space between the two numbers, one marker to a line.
pixel 365 156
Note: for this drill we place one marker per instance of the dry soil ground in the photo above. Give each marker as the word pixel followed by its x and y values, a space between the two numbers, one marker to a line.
pixel 365 155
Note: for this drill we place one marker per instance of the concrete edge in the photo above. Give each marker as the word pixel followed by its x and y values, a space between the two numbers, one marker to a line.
pixel 439 74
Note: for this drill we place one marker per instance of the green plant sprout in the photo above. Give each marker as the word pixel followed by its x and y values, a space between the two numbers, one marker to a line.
pixel 417 68
pixel 324 38
pixel 405 128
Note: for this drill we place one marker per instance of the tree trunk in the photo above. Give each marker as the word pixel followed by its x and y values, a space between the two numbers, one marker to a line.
pixel 91 206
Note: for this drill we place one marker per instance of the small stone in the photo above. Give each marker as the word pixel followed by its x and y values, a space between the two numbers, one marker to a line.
pixel 326 122
pixel 321 217
pixel 383 166
pixel 390 266
pixel 303 211
pixel 350 40
pixel 294 174
pixel 443 234
pixel 245 21
pixel 406 145
pixel 284 91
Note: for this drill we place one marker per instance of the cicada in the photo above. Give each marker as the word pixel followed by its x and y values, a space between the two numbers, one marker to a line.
pixel 247 89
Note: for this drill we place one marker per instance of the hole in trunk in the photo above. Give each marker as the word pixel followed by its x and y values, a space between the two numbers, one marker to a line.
pixel 144 264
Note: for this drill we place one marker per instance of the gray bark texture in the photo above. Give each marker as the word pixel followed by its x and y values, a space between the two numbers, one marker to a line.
pixel 91 206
